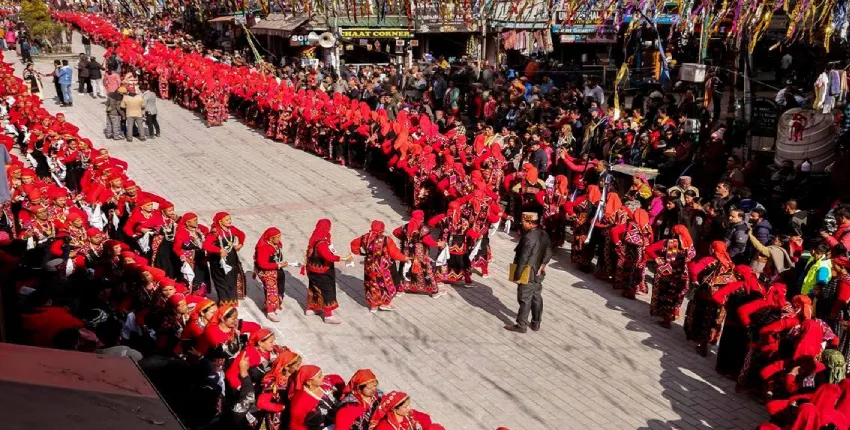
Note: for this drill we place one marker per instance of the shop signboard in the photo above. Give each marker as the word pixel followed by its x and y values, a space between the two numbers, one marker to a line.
pixel 376 33
pixel 444 17
pixel 589 38
pixel 584 21
pixel 300 40
pixel 765 117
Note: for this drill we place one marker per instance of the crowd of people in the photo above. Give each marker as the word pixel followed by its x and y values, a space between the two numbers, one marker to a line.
pixel 101 266
pixel 767 281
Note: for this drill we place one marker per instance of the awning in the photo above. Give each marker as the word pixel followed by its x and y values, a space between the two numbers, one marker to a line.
pixel 278 24
pixel 228 18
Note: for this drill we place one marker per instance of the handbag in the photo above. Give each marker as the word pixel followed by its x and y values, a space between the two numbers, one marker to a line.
pixel 524 275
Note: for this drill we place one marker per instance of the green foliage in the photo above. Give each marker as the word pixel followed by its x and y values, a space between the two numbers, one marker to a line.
pixel 37 18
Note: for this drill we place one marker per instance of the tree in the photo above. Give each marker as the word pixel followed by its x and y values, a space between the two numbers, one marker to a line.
pixel 40 26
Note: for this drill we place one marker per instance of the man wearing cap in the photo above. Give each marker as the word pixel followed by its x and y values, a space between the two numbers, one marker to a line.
pixel 533 251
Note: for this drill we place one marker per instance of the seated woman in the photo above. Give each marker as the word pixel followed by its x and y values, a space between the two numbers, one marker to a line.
pixel 314 399
pixel 395 413
pixel 225 329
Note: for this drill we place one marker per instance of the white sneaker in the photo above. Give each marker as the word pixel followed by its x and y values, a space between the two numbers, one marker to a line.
pixel 309 312
pixel 439 294
pixel 332 320
pixel 387 308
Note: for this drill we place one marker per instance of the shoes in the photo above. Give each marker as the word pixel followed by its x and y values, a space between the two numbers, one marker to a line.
pixel 332 320
pixel 272 316
pixel 373 310
pixel 515 328
pixel 438 294
pixel 534 326
pixel 309 312
pixel 387 308
pixel 157 135
pixel 129 140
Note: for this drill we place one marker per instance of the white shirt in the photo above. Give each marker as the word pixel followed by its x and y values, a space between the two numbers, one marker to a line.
pixel 596 92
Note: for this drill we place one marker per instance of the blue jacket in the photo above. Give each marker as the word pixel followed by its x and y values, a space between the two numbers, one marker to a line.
pixel 65 75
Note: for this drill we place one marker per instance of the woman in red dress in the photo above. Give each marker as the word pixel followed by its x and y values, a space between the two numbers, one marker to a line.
pixel 222 244
pixel 268 269
pixel 395 413
pixel 313 400
pixel 225 330
pixel 361 398
pixel 381 253
pixel 189 247
pixel 261 351
pixel 416 244
pixel 273 399
pixel 198 321
pixel 321 274
pixel 671 274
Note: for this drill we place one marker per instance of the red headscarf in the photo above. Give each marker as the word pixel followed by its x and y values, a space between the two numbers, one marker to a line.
pixel 416 219
pixel 360 378
pixel 186 217
pixel 807 418
pixel 641 218
pixel 274 377
pixel 221 313
pixel 593 194
pixel 612 204
pixel 683 235
pixel 496 151
pixel 377 227
pixel 561 184
pixel 305 373
pixel 259 336
pixel 721 254
pixel 776 295
pixel 321 232
pixel 264 239
pixel 217 220
pixel 174 301
pixel 751 282
pixel 532 175
pixel 804 303
pixel 390 401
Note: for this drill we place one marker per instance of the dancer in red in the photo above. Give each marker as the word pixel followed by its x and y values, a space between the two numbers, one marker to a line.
pixel 321 273
pixel 268 269
pixel 381 253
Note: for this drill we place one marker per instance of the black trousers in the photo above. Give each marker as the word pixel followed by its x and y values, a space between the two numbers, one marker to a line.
pixel 59 94
pixel 530 298
pixel 153 124
pixel 85 85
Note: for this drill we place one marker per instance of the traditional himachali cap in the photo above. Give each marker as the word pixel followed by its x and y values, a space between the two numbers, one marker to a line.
pixel 529 216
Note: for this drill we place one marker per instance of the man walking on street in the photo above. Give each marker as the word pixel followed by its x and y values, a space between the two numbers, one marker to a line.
pixel 532 252
pixel 87 45
pixel 65 78
pixel 150 111
pixel 83 75
pixel 134 106
pixel 96 78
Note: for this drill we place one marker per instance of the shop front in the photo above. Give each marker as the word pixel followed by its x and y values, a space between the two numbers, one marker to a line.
pixel 521 35
pixel 283 36
pixel 373 41
pixel 448 31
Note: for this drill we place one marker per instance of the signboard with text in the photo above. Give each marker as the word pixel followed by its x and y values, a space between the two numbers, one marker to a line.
pixel 765 118
pixel 376 33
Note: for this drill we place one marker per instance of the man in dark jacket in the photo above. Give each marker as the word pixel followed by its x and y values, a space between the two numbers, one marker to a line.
pixel 737 237
pixel 762 229
pixel 96 78
pixel 83 75
pixel 539 159
pixel 532 252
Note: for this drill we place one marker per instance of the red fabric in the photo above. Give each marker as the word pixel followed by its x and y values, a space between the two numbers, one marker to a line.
pixel 43 325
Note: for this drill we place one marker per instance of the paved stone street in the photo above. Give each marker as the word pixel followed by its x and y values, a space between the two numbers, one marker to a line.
pixel 600 361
